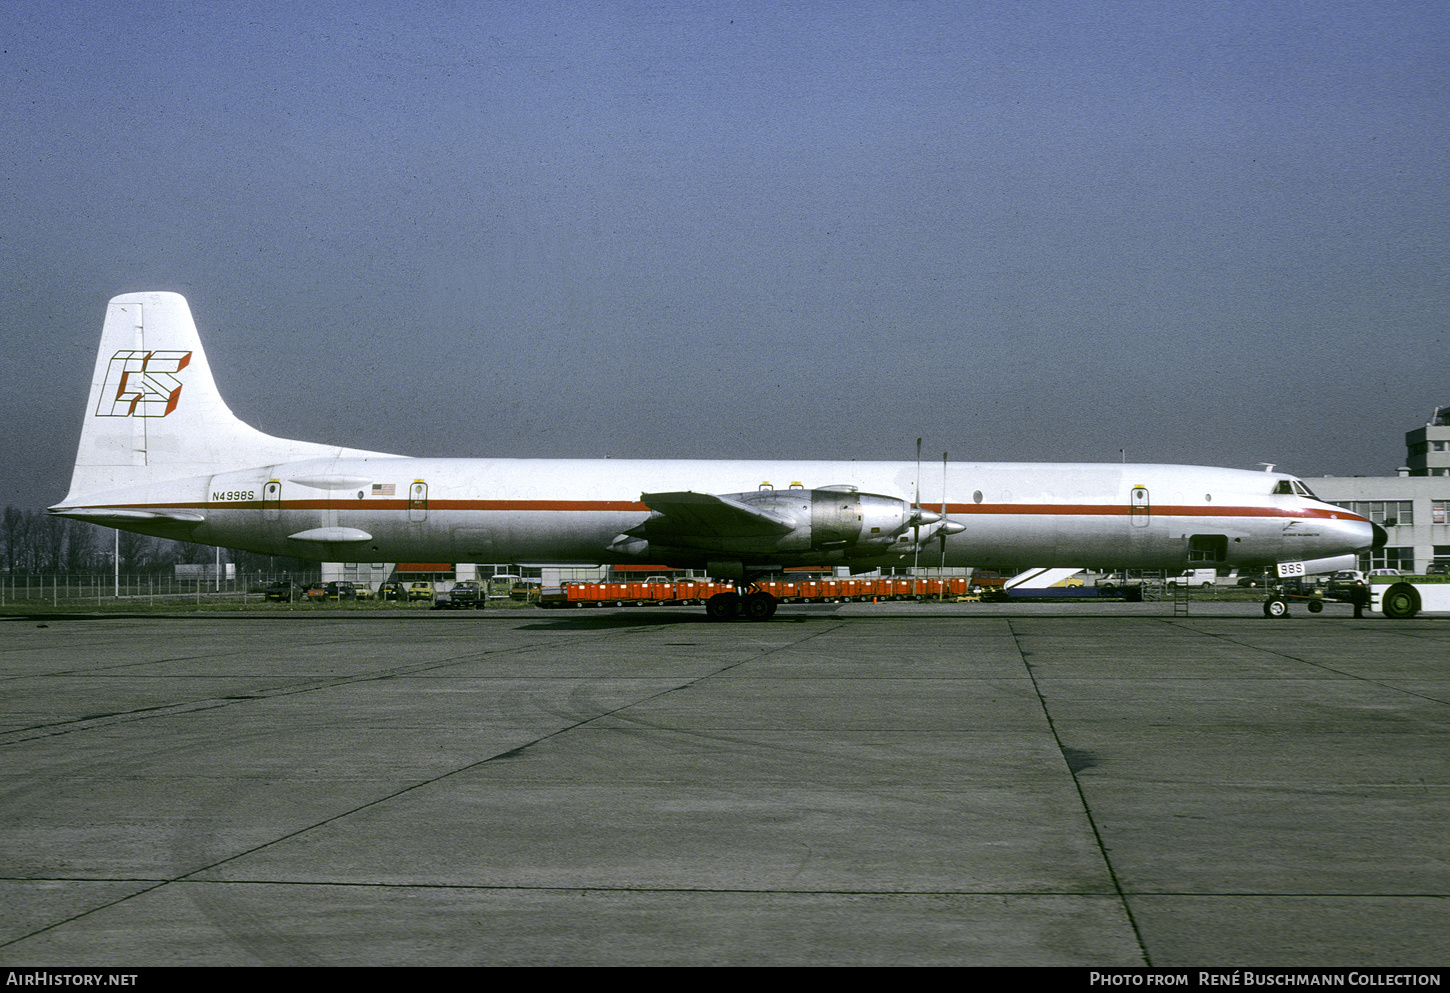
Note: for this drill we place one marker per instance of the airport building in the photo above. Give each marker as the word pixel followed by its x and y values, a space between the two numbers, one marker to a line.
pixel 1411 506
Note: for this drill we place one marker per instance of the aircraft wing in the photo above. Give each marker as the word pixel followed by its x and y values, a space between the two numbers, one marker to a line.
pixel 691 513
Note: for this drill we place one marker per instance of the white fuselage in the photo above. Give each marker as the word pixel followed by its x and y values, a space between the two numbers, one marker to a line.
pixel 388 508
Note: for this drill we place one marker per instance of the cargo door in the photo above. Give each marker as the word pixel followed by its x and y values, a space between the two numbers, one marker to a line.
pixel 1207 548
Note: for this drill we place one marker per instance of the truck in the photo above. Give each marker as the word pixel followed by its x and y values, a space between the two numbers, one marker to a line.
pixel 1402 597
pixel 1397 597
pixel 1202 578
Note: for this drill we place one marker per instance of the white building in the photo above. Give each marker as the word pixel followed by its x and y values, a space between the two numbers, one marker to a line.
pixel 1412 506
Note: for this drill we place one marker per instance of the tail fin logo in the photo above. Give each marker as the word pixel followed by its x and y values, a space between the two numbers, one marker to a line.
pixel 142 384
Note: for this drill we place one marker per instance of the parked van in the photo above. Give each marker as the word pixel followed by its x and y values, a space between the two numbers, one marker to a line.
pixel 1194 577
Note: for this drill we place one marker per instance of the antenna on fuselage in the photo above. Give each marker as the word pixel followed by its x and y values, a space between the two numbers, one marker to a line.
pixel 1268 466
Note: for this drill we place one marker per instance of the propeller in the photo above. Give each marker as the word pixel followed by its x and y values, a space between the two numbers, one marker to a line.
pixel 941 573
pixel 916 521
pixel 937 524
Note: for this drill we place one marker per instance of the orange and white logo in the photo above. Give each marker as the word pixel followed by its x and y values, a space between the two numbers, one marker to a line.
pixel 142 384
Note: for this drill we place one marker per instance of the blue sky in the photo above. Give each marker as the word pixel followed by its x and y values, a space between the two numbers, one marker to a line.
pixel 1209 233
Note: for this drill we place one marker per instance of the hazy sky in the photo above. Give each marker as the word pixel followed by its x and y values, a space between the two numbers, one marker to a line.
pixel 1205 232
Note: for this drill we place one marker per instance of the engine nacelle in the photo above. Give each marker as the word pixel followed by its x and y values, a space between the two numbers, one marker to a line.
pixel 835 517
pixel 834 523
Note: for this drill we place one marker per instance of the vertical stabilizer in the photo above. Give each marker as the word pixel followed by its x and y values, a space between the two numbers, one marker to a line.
pixel 154 411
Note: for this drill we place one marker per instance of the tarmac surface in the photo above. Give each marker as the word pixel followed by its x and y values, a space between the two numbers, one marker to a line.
pixel 1092 785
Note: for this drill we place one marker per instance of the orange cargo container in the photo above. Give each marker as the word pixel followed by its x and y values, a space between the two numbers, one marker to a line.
pixel 783 592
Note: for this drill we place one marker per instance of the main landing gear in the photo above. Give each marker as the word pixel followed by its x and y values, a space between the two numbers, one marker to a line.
pixel 755 606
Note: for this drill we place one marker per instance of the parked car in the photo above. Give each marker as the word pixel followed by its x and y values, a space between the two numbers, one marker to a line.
pixel 392 591
pixel 1255 577
pixel 340 590
pixel 422 590
pixel 525 590
pixel 316 591
pixel 467 593
pixel 363 591
pixel 284 591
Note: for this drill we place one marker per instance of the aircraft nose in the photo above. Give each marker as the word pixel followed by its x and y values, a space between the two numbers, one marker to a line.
pixel 1381 537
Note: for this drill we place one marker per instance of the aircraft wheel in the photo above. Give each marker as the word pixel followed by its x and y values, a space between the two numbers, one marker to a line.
pixel 1316 606
pixel 759 606
pixel 722 606
pixel 1276 608
pixel 1400 602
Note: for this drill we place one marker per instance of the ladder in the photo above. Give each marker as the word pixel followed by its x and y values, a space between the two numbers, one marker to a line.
pixel 1182 593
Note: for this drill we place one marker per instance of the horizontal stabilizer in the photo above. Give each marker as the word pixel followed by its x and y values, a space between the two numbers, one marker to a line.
pixel 332 482
pixel 100 515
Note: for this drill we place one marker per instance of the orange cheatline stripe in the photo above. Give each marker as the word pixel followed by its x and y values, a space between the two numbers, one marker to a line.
pixel 1110 510
pixel 631 506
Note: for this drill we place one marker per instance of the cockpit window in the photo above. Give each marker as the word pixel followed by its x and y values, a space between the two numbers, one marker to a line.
pixel 1293 487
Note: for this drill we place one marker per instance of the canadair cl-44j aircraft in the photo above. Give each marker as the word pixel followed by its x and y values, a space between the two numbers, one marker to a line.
pixel 161 454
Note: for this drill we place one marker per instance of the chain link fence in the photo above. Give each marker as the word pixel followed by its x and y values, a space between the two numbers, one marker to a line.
pixel 100 590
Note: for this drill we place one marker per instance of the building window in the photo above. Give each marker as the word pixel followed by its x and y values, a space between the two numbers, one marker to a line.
pixel 1388 558
pixel 1388 513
